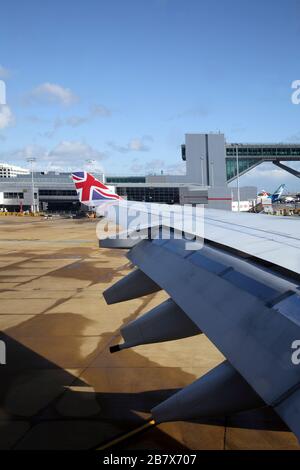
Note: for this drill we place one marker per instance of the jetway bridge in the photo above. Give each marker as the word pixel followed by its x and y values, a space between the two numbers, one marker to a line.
pixel 245 157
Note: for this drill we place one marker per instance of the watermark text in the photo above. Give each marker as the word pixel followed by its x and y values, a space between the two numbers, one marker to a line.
pixel 295 97
pixel 296 352
pixel 129 220
pixel 2 353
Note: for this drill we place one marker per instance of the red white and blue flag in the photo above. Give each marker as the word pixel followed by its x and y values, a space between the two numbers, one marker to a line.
pixel 90 190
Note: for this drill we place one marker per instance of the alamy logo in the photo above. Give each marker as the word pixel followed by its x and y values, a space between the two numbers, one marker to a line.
pixel 296 353
pixel 128 220
pixel 296 94
pixel 2 93
pixel 2 353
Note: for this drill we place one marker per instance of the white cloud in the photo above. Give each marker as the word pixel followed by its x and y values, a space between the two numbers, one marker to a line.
pixel 4 72
pixel 155 166
pixel 75 150
pixel 134 145
pixel 6 116
pixel 65 156
pixel 21 154
pixel 33 119
pixel 137 145
pixel 52 93
pixel 95 111
pixel 100 110
pixel 176 169
pixel 137 167
pixel 76 121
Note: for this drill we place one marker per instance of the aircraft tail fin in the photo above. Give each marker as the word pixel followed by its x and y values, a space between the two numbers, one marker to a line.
pixel 278 193
pixel 91 191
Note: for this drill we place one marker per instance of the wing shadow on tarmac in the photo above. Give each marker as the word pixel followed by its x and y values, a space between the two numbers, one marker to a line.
pixel 45 406
pixel 61 389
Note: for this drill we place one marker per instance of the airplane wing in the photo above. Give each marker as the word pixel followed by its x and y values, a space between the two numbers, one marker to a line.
pixel 241 289
pixel 274 240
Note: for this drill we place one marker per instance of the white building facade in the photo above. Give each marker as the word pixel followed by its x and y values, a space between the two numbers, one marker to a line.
pixel 11 171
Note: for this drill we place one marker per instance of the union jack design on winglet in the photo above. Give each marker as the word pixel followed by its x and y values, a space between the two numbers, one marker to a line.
pixel 91 191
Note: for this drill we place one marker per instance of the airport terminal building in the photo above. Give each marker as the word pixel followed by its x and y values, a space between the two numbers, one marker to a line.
pixel 211 164
pixel 55 192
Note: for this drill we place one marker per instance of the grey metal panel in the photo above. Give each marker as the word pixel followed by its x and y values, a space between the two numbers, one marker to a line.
pixel 248 268
pixel 259 235
pixel 250 285
pixel 290 307
pixel 256 339
pixel 207 262
pixel 119 243
pixel 178 248
pixel 257 223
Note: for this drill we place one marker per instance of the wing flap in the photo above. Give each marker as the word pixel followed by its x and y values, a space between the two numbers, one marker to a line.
pixel 254 336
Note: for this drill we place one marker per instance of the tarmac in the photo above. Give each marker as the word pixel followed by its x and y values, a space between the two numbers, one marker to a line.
pixel 60 387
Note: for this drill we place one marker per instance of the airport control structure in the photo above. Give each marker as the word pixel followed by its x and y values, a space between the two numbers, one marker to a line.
pixel 211 164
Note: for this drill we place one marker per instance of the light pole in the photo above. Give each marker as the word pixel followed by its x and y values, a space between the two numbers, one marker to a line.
pixel 202 170
pixel 32 160
pixel 237 176
pixel 212 174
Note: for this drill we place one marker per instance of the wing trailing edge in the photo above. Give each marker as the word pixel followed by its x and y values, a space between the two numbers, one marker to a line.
pixel 248 310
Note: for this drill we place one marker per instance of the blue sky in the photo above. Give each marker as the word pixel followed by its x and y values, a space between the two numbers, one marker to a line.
pixel 121 81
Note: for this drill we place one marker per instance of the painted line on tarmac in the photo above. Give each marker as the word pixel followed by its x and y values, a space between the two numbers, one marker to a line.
pixel 124 437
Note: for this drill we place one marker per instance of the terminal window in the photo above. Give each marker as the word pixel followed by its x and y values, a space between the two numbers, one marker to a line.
pixel 57 192
pixel 155 194
pixel 13 195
